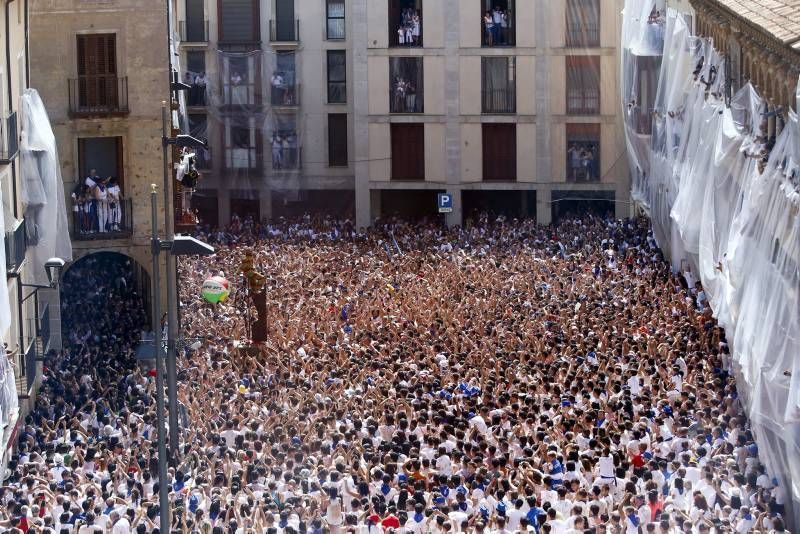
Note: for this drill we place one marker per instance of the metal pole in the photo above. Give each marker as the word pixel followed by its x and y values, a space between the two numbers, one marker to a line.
pixel 172 310
pixel 163 496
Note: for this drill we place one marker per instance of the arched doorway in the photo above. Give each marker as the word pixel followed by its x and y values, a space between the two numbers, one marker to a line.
pixel 105 294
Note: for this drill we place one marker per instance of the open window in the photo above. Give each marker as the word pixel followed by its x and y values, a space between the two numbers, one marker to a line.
pixel 405 22
pixel 284 90
pixel 284 142
pixel 242 143
pixel 498 23
pixel 406 85
pixel 241 74
pixel 583 153
pixel 498 91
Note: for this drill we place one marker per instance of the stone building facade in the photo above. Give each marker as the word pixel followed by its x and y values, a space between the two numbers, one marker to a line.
pixel 101 68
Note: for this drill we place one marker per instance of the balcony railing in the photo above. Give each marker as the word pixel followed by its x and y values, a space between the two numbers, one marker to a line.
pixel 240 94
pixel 499 100
pixel 193 32
pixel 98 95
pixel 402 102
pixel 9 137
pixel 583 101
pixel 398 40
pixel 284 31
pixel 286 159
pixel 99 220
pixel 583 36
pixel 285 95
pixel 16 245
pixel 497 36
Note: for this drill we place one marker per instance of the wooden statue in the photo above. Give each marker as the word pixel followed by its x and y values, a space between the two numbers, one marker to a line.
pixel 258 294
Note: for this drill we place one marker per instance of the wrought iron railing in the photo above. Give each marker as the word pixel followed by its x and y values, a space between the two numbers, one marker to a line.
pixel 102 219
pixel 286 95
pixel 98 95
pixel 284 31
pixel 193 32
pixel 499 100
pixel 581 35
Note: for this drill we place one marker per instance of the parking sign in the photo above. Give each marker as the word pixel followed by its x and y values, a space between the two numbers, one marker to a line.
pixel 445 203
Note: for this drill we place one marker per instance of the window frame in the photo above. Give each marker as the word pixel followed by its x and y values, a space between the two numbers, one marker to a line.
pixel 337 84
pixel 342 160
pixel 329 18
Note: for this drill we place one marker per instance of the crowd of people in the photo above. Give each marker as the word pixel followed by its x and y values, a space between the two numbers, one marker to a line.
pixel 97 205
pixel 495 378
pixel 497 27
pixel 409 28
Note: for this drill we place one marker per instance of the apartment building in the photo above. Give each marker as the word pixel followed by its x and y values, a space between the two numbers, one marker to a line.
pixel 29 315
pixel 101 68
pixel 516 114
pixel 326 105
pixel 273 95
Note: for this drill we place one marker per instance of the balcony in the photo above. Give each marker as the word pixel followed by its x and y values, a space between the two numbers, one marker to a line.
pixel 96 221
pixel 499 100
pixel 286 158
pixel 583 161
pixel 16 245
pixel 583 36
pixel 98 95
pixel 193 32
pixel 284 32
pixel 287 96
pixel 9 138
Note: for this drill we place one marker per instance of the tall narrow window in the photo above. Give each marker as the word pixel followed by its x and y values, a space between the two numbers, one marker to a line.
pixel 583 85
pixel 337 139
pixel 336 21
pixel 406 85
pixel 195 30
pixel 583 23
pixel 499 89
pixel 283 83
pixel 408 151
pixel 337 76
pixel 498 22
pixel 239 21
pixel 97 72
pixel 583 152
pixel 405 22
pixel 500 152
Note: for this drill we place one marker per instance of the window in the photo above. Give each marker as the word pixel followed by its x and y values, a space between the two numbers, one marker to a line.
pixel 499 89
pixel 284 28
pixel 406 85
pixel 194 29
pixel 104 156
pixel 583 85
pixel 337 77
pixel 335 14
pixel 583 153
pixel 500 152
pixel 284 143
pixel 241 77
pixel 195 78
pixel 642 105
pixel 97 71
pixel 196 61
pixel 198 128
pixel 239 21
pixel 498 23
pixel 583 23
pixel 242 147
pixel 283 83
pixel 405 22
pixel 408 151
pixel 337 139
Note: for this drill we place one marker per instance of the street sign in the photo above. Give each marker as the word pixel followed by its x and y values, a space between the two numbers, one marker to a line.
pixel 445 203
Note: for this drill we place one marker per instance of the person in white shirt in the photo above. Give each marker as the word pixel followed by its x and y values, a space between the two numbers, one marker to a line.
pixel 120 523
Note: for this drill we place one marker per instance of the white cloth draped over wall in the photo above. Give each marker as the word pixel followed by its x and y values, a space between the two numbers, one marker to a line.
pixel 732 219
pixel 42 190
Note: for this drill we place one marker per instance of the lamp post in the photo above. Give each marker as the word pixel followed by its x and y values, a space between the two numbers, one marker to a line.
pixel 173 246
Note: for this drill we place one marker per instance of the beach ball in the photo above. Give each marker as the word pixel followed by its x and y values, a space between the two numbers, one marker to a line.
pixel 216 289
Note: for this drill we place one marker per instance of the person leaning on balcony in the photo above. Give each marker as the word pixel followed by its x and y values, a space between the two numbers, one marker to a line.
pixel 497 19
pixel 91 183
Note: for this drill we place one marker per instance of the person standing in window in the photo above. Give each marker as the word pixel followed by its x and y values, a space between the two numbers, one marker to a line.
pixel 114 207
pixel 488 25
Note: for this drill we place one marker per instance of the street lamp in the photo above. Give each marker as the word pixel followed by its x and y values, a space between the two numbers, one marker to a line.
pixel 53 267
